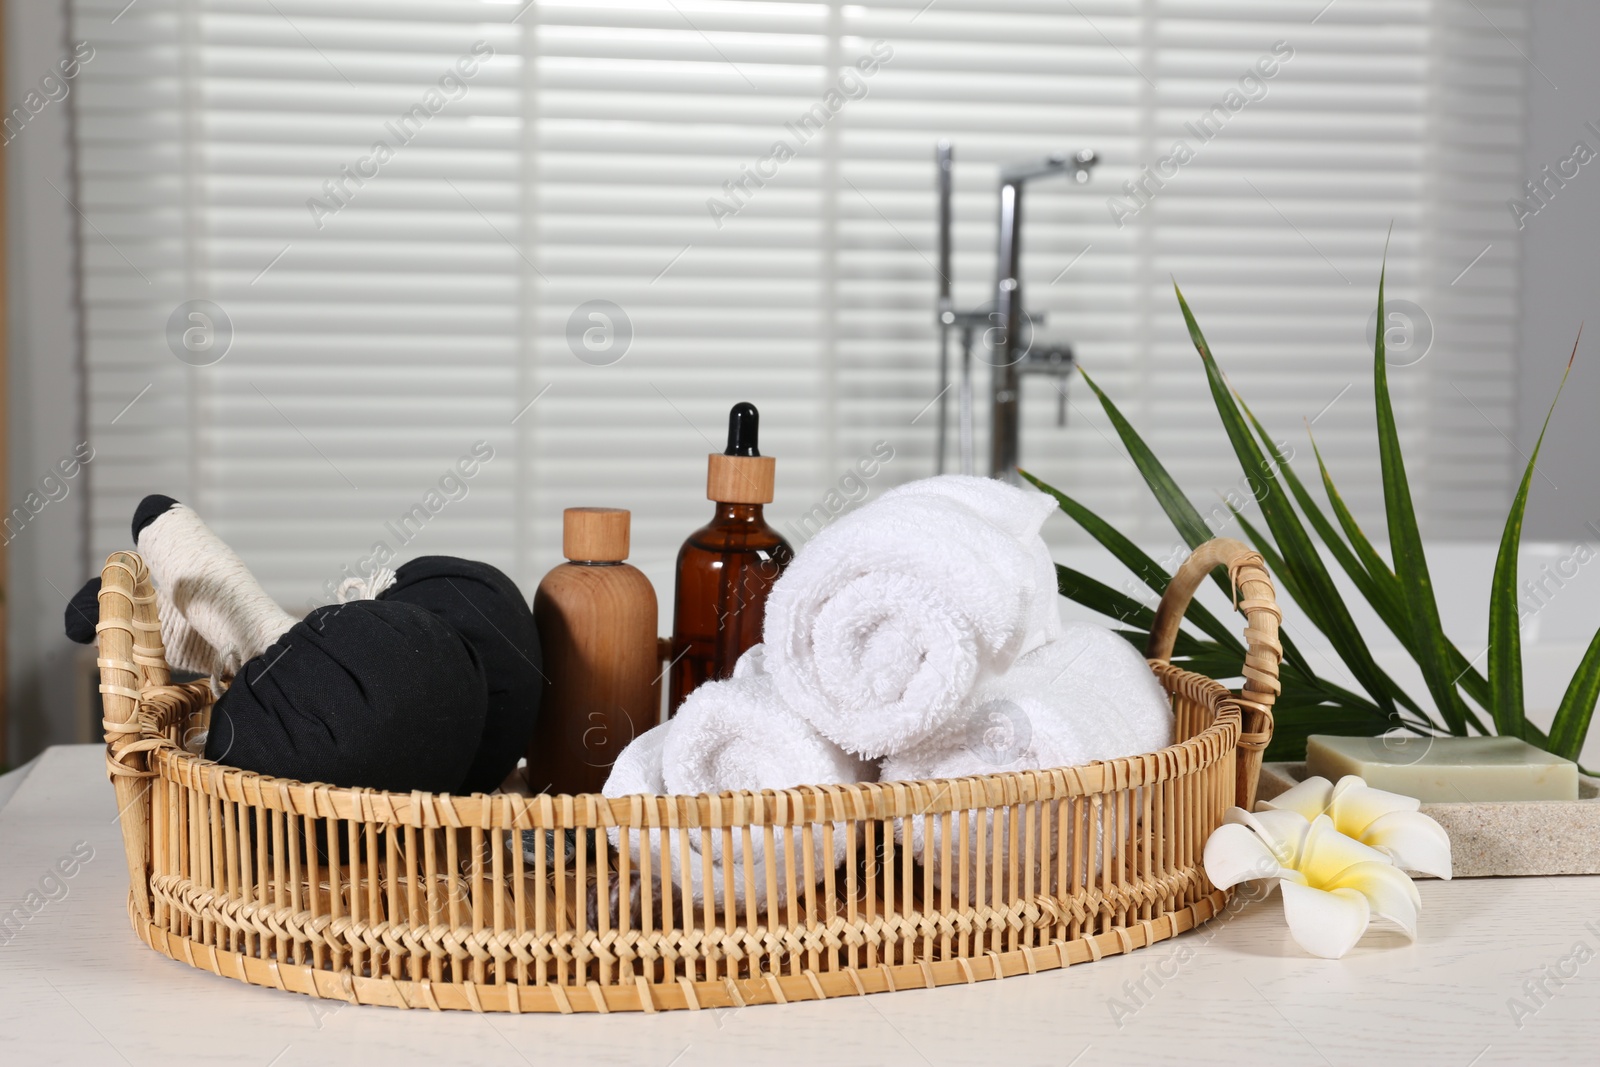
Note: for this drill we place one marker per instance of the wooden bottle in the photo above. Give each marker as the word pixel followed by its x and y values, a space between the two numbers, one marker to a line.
pixel 597 627
pixel 728 566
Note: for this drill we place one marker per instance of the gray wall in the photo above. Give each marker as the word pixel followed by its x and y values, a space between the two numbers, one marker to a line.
pixel 1561 274
pixel 46 555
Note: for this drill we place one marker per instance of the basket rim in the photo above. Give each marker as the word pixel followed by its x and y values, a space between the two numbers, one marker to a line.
pixel 730 809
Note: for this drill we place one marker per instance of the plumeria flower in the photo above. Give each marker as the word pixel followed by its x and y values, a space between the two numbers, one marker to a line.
pixel 1386 821
pixel 1332 884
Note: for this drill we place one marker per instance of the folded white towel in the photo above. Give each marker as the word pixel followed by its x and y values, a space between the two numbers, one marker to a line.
pixel 733 735
pixel 638 770
pixel 1020 512
pixel 880 626
pixel 754 661
pixel 1084 697
pixel 737 734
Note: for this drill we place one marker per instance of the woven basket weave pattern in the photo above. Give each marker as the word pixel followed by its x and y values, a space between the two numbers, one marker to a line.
pixel 428 900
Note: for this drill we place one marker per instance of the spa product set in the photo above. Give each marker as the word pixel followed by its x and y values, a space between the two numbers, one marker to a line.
pixel 881 762
pixel 916 637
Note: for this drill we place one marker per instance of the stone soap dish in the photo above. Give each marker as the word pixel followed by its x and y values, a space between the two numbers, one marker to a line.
pixel 1493 838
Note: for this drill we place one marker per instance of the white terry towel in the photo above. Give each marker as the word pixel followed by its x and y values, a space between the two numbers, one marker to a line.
pixel 1019 512
pixel 638 770
pixel 1087 696
pixel 733 735
pixel 880 626
pixel 736 734
pixel 754 661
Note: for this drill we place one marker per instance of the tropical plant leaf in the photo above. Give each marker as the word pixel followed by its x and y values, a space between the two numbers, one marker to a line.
pixel 1505 625
pixel 1572 719
pixel 1347 559
pixel 1097 596
pixel 1410 561
pixel 1278 566
pixel 1185 647
pixel 1136 560
pixel 1391 607
pixel 1377 568
pixel 1184 515
pixel 1219 661
pixel 1313 588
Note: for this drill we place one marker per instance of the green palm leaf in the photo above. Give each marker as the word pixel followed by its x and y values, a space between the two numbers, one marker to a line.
pixel 1137 561
pixel 1312 587
pixel 1410 562
pixel 1572 719
pixel 1505 635
pixel 1183 515
pixel 1390 600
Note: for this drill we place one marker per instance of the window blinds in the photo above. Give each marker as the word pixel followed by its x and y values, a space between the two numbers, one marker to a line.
pixel 551 243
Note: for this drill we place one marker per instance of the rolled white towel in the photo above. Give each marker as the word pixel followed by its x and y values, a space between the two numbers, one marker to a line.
pixel 732 735
pixel 754 661
pixel 880 626
pixel 1084 697
pixel 1020 512
pixel 638 770
pixel 736 734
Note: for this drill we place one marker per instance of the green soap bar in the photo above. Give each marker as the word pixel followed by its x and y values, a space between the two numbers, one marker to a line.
pixel 1446 770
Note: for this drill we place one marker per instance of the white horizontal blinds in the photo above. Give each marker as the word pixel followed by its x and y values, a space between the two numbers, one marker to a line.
pixel 1275 228
pixel 135 236
pixel 1294 146
pixel 644 112
pixel 1481 65
pixel 1004 83
pixel 374 317
pixel 614 173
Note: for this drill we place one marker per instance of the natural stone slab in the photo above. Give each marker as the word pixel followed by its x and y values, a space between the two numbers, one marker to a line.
pixel 1495 838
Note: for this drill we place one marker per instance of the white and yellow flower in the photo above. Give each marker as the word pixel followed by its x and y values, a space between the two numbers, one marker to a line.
pixel 1386 821
pixel 1332 884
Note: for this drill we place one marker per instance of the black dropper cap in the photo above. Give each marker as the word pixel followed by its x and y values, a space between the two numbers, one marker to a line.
pixel 744 424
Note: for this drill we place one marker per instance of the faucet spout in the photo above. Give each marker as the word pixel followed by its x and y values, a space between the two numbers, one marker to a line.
pixel 1011 341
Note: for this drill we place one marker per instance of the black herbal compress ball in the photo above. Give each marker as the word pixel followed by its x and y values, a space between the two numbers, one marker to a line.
pixel 373 693
pixel 487 609
pixel 432 686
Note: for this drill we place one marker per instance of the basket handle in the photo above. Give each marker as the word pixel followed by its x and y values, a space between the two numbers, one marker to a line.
pixel 1254 596
pixel 131 660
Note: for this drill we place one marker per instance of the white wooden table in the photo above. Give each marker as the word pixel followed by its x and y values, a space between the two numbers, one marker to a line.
pixel 76 987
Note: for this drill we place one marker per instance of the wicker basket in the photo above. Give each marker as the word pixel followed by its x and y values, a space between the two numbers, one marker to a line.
pixel 424 900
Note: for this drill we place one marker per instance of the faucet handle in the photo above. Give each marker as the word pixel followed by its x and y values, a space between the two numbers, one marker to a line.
pixel 1055 359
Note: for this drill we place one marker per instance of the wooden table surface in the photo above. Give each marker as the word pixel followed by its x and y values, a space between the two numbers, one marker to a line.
pixel 76 987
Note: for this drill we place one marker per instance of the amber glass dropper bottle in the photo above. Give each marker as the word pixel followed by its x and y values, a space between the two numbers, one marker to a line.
pixel 727 567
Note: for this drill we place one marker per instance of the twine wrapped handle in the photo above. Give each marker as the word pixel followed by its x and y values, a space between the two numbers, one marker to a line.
pixel 1254 596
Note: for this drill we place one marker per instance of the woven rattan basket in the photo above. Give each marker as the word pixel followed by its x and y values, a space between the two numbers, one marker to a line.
pixel 425 900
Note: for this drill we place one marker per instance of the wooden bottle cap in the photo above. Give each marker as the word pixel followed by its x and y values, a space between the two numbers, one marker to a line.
pixel 595 535
pixel 740 479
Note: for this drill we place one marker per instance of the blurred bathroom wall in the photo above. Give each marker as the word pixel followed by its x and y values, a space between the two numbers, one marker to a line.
pixel 46 556
pixel 1561 271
